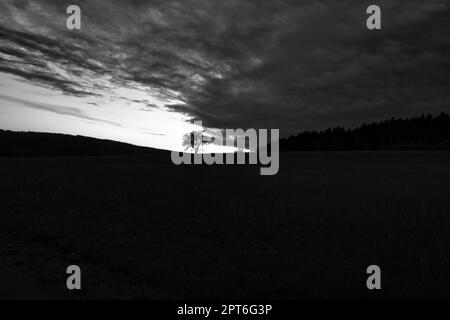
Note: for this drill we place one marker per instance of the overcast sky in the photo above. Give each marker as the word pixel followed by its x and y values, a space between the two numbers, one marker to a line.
pixel 139 71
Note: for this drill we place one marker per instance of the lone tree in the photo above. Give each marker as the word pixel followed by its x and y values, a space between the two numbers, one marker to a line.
pixel 195 140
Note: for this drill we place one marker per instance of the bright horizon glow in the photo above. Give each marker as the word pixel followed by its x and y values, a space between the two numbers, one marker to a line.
pixel 114 113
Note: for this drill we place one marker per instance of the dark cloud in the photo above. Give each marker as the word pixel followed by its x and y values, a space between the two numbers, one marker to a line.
pixel 285 64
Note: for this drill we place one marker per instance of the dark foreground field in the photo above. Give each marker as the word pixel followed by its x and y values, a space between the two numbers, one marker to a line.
pixel 140 227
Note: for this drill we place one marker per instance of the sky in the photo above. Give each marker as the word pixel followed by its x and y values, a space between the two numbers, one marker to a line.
pixel 142 71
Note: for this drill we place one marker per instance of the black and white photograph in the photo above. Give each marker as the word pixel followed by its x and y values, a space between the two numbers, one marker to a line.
pixel 230 152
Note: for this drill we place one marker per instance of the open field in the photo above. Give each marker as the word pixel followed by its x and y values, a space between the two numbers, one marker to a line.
pixel 140 227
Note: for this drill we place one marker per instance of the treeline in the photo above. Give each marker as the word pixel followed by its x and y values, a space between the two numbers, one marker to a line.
pixel 50 144
pixel 419 133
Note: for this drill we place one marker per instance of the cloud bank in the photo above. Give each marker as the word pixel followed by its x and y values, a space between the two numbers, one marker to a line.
pixel 293 65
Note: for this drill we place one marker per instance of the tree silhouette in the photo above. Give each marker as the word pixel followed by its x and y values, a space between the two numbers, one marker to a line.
pixel 195 140
pixel 419 133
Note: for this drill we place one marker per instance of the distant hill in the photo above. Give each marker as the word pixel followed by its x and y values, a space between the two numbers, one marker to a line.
pixel 51 144
pixel 419 133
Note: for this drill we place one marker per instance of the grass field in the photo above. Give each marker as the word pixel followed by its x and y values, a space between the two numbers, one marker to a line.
pixel 140 227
